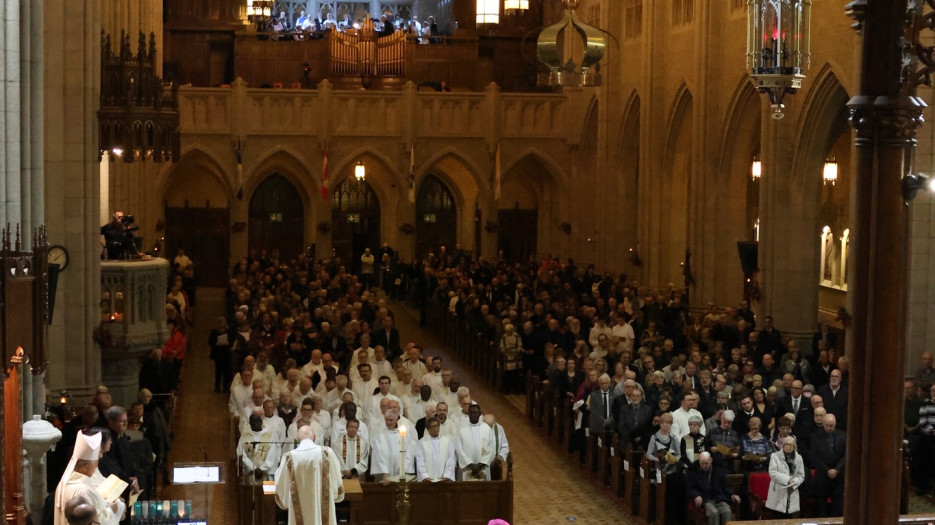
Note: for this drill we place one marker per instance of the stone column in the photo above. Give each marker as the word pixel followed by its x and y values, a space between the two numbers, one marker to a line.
pixel 788 257
pixel 885 115
pixel 72 190
pixel 921 312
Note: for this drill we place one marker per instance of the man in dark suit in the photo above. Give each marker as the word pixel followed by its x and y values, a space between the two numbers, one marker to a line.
pixel 747 410
pixel 834 396
pixel 332 343
pixel 828 454
pixel 633 419
pixel 796 404
pixel 826 335
pixel 599 403
pixel 708 489
pixel 388 338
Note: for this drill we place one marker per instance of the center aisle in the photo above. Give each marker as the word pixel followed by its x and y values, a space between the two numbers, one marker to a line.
pixel 547 489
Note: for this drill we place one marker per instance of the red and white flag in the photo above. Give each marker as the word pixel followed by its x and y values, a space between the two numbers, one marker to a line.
pixel 324 175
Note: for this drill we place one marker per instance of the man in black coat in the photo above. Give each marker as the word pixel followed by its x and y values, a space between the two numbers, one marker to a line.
pixel 707 489
pixel 828 454
pixel 834 396
pixel 633 419
pixel 796 404
pixel 388 337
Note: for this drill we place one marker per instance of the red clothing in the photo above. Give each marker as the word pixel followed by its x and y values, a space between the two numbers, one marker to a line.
pixel 174 348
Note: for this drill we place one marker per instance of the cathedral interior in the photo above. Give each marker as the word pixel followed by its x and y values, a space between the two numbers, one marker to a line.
pixel 631 136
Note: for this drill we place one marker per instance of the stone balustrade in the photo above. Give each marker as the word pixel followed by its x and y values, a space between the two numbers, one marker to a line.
pixel 409 114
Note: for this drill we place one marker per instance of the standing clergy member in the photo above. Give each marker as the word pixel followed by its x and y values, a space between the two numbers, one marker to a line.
pixel 76 482
pixel 475 449
pixel 435 454
pixel 308 482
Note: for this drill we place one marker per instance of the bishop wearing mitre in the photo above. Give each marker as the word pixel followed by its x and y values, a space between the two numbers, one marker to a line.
pixel 76 482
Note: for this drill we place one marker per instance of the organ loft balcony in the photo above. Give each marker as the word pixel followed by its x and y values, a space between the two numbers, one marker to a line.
pixel 348 44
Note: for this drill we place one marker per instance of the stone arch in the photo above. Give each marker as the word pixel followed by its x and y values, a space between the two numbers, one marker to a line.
pixel 627 183
pixel 530 197
pixel 196 197
pixel 822 120
pixel 460 156
pixel 289 164
pixel 386 181
pixel 677 175
pixel 203 157
pixel 734 203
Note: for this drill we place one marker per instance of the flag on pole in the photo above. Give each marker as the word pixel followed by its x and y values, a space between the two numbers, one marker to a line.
pixel 412 172
pixel 496 174
pixel 324 175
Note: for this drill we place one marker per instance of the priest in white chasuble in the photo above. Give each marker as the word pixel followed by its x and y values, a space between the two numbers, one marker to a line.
pixel 435 454
pixel 309 483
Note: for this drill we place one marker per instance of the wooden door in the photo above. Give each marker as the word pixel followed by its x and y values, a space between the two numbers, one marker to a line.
pixel 436 217
pixel 517 233
pixel 277 218
pixel 204 234
pixel 355 221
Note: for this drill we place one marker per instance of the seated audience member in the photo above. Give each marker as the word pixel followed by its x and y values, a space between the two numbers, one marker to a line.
pixel 708 489
pixel 435 454
pixel 353 451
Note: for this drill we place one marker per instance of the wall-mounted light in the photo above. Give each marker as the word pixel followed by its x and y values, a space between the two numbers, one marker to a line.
pixel 830 173
pixel 756 168
pixel 914 182
pixel 360 172
pixel 488 12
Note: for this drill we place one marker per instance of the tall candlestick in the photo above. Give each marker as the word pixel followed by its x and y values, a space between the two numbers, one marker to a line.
pixel 402 451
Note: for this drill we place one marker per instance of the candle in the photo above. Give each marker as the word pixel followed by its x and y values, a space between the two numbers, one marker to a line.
pixel 402 451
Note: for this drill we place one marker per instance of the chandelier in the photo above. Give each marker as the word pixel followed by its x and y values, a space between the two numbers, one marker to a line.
pixel 778 47
pixel 756 168
pixel 577 61
pixel 829 174
pixel 360 171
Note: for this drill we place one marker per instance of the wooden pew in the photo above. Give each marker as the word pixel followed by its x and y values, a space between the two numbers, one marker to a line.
pixel 590 452
pixel 604 442
pixel 615 464
pixel 439 503
pixel 530 396
pixel 631 461
pixel 561 421
pixel 568 424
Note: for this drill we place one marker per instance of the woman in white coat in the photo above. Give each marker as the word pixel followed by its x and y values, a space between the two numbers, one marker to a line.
pixel 786 474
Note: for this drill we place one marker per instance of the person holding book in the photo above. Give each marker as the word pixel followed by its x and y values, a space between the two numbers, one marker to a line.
pixel 76 482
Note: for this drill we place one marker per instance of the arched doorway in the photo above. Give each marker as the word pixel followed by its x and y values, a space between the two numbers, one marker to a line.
pixel 355 219
pixel 436 217
pixel 197 219
pixel 277 218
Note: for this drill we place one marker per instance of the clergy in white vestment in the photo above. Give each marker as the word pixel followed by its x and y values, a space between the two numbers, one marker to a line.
pixel 475 448
pixel 258 451
pixel 500 444
pixel 308 482
pixel 240 392
pixel 334 398
pixel 374 412
pixel 449 427
pixel 353 451
pixel 380 366
pixel 388 443
pixel 364 386
pixel 76 483
pixel 415 405
pixel 272 421
pixel 435 454
pixel 403 387
pixel 339 424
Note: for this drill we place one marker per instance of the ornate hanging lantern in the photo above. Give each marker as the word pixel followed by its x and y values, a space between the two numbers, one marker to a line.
pixel 778 47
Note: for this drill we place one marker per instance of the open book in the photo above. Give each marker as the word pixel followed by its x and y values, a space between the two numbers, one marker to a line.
pixel 111 488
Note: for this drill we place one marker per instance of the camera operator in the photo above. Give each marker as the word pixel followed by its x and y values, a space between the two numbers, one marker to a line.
pixel 118 237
